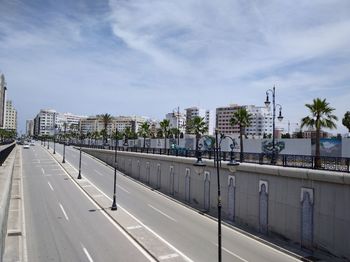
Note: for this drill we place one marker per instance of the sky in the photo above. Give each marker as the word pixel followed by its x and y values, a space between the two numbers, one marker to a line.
pixel 147 57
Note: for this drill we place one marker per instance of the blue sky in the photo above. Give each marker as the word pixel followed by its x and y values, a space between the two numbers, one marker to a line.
pixel 146 57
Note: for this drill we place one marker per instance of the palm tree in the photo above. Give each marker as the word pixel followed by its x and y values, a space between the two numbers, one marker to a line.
pixel 95 135
pixel 106 119
pixel 346 120
pixel 144 131
pixel 198 127
pixel 164 126
pixel 241 118
pixel 321 117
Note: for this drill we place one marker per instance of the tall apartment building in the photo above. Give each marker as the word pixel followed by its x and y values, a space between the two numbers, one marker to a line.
pixel 2 100
pixel 208 116
pixel 177 120
pixel 261 120
pixel 30 127
pixel 10 116
pixel 44 122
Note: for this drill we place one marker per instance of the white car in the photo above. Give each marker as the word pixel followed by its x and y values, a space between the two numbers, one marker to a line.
pixel 26 146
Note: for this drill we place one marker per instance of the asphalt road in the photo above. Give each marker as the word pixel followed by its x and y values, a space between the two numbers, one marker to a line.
pixel 193 234
pixel 61 223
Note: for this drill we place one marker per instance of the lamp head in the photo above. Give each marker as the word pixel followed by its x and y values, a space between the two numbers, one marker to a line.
pixel 199 166
pixel 232 165
pixel 267 102
pixel 280 117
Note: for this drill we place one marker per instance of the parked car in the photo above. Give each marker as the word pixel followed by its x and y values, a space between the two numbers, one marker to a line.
pixel 26 146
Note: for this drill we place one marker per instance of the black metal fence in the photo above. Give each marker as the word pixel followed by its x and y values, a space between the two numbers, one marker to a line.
pixel 340 164
pixel 5 152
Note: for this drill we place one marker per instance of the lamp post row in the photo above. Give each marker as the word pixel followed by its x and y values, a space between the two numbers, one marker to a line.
pixel 199 168
pixel 114 204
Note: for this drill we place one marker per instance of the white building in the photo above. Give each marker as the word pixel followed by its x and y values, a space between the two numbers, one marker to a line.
pixel 30 127
pixel 95 123
pixel 10 116
pixel 261 120
pixel 72 122
pixel 177 120
pixel 51 122
pixel 44 122
pixel 208 115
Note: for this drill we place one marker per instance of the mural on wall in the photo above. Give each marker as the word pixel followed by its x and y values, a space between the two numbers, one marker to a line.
pixel 267 146
pixel 207 143
pixel 172 142
pixel 328 147
pixel 147 143
pixel 189 143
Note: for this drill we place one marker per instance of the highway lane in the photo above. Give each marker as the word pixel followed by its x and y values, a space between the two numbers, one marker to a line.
pixel 62 224
pixel 191 233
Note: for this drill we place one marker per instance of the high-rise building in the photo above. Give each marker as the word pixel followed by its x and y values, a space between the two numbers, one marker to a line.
pixel 2 100
pixel 261 120
pixel 44 122
pixel 30 127
pixel 208 116
pixel 10 116
pixel 177 120
pixel 51 122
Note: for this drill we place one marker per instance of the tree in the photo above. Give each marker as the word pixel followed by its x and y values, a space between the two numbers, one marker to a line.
pixel 321 117
pixel 346 120
pixel 198 127
pixel 106 119
pixel 165 128
pixel 144 131
pixel 241 118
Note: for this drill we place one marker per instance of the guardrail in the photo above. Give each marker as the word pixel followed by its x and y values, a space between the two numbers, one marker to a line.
pixel 339 164
pixel 5 152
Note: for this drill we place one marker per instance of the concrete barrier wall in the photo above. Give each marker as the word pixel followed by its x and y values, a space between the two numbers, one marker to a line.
pixel 309 207
pixel 6 171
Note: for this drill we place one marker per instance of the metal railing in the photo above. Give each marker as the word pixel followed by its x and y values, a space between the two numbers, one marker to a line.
pixel 339 164
pixel 5 152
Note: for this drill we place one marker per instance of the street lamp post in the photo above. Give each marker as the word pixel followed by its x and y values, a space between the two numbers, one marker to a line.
pixel 280 118
pixel 79 174
pixel 64 144
pixel 178 124
pixel 114 204
pixel 200 165
pixel 54 144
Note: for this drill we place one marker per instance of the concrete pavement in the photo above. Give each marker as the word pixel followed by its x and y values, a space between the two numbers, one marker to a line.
pixel 62 224
pixel 192 234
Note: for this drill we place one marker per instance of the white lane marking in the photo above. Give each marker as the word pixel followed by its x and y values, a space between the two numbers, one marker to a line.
pixel 64 212
pixel 142 224
pixel 87 254
pixel 42 170
pixel 97 195
pixel 86 186
pixel 233 254
pixel 168 256
pixel 24 232
pixel 134 227
pixel 161 212
pixel 122 188
pixel 50 186
pixel 98 172
pixel 121 230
